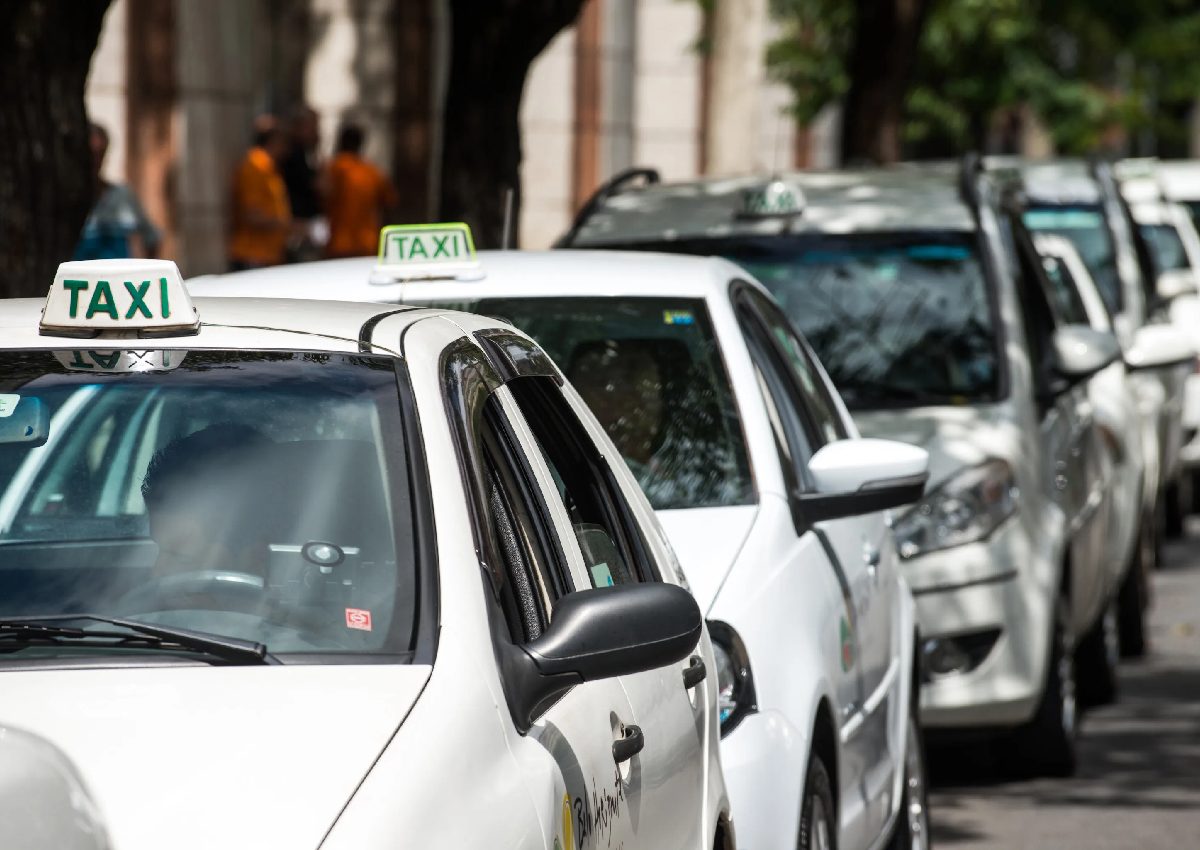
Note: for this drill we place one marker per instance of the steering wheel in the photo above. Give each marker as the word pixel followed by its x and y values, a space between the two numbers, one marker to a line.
pixel 200 590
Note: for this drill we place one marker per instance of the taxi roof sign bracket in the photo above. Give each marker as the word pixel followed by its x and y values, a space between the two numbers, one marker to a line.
pixel 412 252
pixel 126 298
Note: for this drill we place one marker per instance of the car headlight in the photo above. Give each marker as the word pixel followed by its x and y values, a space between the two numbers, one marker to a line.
pixel 735 682
pixel 968 507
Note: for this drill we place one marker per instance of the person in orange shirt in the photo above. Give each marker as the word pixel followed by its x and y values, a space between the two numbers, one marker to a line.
pixel 262 217
pixel 357 196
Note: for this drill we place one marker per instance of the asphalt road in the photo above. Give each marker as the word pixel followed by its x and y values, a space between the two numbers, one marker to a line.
pixel 1138 785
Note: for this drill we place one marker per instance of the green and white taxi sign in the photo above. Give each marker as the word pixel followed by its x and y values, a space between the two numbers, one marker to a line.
pixel 91 297
pixel 425 252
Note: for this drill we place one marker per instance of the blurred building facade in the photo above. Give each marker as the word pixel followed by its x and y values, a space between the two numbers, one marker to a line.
pixel 177 84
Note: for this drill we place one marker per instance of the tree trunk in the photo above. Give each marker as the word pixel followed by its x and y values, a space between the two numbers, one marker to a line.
pixel 492 44
pixel 887 34
pixel 738 67
pixel 46 184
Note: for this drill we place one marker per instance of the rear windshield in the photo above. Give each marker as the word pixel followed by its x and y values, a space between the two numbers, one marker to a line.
pixel 1165 246
pixel 1084 227
pixel 897 319
pixel 651 371
pixel 259 496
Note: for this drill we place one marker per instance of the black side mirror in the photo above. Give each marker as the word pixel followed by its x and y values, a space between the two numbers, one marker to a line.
pixel 599 634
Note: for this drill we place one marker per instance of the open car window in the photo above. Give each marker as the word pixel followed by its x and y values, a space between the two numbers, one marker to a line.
pixel 262 496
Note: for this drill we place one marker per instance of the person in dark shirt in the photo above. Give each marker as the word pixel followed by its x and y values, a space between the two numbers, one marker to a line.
pixel 300 171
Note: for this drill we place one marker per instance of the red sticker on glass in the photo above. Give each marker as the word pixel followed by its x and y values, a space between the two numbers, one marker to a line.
pixel 357 618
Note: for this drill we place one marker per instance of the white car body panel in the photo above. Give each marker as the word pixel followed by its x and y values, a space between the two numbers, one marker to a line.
pixel 746 564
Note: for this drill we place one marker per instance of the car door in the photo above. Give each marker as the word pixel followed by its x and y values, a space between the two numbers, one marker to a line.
pixel 663 780
pixel 801 432
pixel 1078 472
pixel 565 756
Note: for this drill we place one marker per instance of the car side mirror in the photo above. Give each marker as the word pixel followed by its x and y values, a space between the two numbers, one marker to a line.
pixel 1079 351
pixel 861 476
pixel 1159 347
pixel 1173 283
pixel 600 634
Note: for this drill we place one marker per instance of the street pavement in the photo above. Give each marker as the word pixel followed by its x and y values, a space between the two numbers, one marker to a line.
pixel 1138 785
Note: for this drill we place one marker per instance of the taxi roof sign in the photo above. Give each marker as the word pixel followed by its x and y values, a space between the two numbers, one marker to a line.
pixel 425 252
pixel 143 297
pixel 777 198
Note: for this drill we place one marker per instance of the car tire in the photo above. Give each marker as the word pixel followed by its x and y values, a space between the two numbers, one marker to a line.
pixel 1096 660
pixel 818 817
pixel 1133 596
pixel 912 822
pixel 1046 745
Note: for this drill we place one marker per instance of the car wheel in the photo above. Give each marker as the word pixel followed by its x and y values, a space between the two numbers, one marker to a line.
pixel 818 824
pixel 1133 598
pixel 1096 660
pixel 1046 744
pixel 912 824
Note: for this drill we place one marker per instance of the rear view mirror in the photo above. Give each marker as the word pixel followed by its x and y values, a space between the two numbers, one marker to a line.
pixel 1080 352
pixel 855 477
pixel 1174 283
pixel 603 633
pixel 23 419
pixel 1159 347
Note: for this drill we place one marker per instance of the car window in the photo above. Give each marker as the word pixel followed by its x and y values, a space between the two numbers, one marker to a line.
pixel 1165 246
pixel 651 370
pixel 605 530
pixel 150 493
pixel 818 401
pixel 897 319
pixel 1084 227
pixel 524 580
pixel 1064 292
pixel 793 431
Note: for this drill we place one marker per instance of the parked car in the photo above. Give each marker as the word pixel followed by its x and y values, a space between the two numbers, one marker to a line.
pixel 288 574
pixel 936 330
pixel 1081 201
pixel 775 505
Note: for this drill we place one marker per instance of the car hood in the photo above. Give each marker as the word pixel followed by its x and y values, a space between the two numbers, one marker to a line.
pixel 196 758
pixel 955 437
pixel 707 542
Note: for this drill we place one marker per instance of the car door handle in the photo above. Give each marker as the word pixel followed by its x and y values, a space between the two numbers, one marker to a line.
pixel 695 673
pixel 629 745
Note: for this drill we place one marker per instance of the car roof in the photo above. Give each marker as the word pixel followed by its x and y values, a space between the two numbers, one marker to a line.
pixel 1049 181
pixel 903 197
pixel 1180 179
pixel 238 323
pixel 508 273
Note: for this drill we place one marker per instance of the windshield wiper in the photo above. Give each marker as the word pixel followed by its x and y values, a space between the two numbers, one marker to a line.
pixel 20 632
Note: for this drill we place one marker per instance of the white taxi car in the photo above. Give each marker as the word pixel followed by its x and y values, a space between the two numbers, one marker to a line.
pixel 280 574
pixel 936 332
pixel 772 501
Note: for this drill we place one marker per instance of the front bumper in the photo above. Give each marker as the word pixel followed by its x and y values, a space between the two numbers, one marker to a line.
pixel 970 590
pixel 764 761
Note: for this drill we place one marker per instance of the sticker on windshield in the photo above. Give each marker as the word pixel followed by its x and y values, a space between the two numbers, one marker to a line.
pixel 358 618
pixel 8 404
pixel 678 317
pixel 602 576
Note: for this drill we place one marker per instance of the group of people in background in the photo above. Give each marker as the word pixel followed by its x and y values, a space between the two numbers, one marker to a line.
pixel 287 205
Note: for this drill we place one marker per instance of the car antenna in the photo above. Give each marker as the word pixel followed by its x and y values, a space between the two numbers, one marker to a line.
pixel 506 239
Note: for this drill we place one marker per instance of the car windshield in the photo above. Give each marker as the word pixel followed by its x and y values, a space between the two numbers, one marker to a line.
pixel 897 319
pixel 1085 228
pixel 651 371
pixel 255 496
pixel 1165 246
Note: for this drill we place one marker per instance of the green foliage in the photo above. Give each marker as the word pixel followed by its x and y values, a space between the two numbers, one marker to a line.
pixel 1084 67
